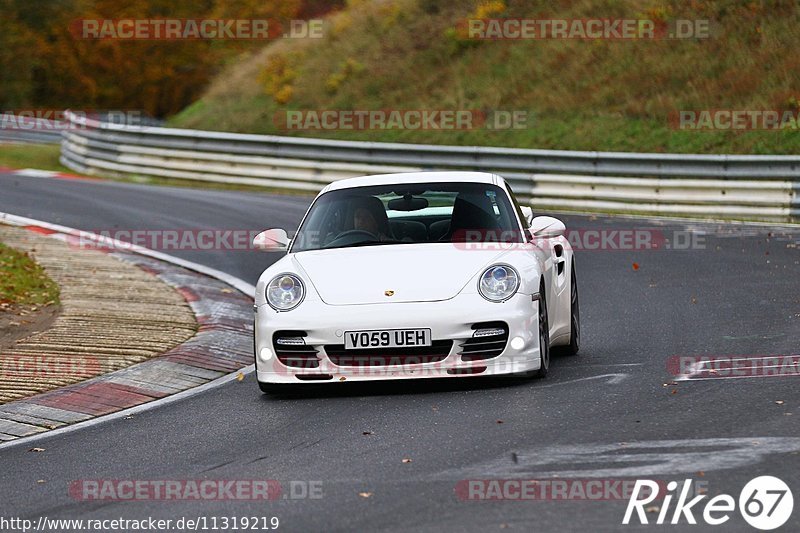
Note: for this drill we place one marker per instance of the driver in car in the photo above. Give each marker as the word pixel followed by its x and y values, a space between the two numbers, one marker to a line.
pixel 369 215
pixel 360 219
pixel 364 221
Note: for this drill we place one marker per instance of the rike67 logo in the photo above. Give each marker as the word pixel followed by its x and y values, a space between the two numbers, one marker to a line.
pixel 765 503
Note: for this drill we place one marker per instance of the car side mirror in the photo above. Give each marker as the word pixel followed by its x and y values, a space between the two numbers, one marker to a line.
pixel 547 227
pixel 527 212
pixel 271 240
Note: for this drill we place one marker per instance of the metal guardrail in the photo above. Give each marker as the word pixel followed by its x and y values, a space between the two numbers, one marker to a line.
pixel 734 186
pixel 34 137
pixel 29 130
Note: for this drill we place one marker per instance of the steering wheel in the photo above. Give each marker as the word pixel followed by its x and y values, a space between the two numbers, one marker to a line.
pixel 343 236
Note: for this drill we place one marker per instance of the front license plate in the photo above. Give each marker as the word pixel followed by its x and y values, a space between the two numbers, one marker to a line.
pixel 391 338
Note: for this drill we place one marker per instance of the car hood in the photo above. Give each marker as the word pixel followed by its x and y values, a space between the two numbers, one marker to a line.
pixel 415 272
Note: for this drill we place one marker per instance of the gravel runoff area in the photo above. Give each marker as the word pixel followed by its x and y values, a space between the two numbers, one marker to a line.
pixel 133 329
pixel 113 315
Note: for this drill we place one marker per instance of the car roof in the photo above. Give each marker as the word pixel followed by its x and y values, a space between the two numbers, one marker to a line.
pixel 412 177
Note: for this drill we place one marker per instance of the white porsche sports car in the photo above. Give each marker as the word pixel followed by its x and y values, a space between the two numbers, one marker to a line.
pixel 429 274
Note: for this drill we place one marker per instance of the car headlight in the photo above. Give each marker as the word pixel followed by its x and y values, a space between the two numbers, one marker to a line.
pixel 498 283
pixel 285 292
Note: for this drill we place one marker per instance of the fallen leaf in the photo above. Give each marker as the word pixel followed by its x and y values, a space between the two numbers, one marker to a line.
pixel 406 460
pixel 701 473
pixel 342 378
pixel 36 450
pixel 41 481
pixel 239 376
pixel 226 290
pixel 694 299
pixel 636 266
pixel 674 391
pixel 653 509
pixel 365 494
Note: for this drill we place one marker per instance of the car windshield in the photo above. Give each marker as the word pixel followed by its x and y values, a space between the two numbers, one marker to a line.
pixel 408 213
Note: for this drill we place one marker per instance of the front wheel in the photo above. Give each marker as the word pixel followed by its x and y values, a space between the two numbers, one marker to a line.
pixel 544 336
pixel 574 318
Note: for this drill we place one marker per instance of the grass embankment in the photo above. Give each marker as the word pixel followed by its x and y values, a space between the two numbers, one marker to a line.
pixel 23 282
pixel 38 156
pixel 579 94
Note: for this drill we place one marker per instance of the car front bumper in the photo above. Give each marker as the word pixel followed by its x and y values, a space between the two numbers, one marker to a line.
pixel 448 320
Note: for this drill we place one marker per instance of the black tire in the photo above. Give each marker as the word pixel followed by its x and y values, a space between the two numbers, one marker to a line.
pixel 544 336
pixel 574 318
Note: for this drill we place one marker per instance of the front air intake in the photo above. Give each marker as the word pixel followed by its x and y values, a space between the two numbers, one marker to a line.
pixel 291 350
pixel 488 340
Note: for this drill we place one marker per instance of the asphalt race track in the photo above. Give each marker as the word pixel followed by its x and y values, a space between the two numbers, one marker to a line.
pixel 613 412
